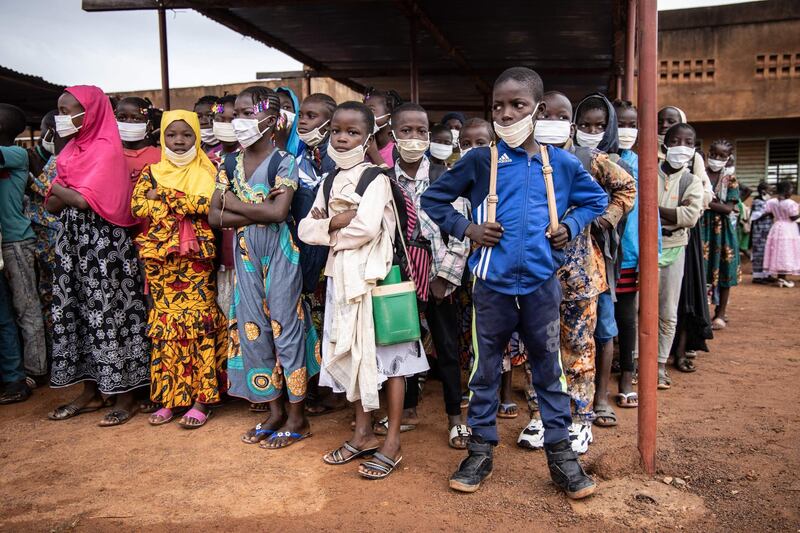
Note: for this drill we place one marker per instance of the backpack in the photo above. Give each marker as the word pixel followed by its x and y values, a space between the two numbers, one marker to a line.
pixel 312 258
pixel 417 265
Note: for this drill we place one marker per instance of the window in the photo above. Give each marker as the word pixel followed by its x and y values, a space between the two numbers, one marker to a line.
pixel 687 70
pixel 751 161
pixel 783 159
pixel 777 66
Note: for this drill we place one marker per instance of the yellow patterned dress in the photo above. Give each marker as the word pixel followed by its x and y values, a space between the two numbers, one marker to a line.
pixel 185 324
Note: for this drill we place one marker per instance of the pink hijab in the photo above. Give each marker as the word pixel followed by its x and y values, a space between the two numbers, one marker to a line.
pixel 93 164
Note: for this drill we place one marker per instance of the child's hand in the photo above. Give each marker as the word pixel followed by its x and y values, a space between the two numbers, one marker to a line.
pixel 342 220
pixel 487 234
pixel 152 195
pixel 274 193
pixel 439 288
pixel 317 214
pixel 560 238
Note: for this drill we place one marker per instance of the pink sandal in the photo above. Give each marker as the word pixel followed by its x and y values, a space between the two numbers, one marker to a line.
pixel 166 415
pixel 198 415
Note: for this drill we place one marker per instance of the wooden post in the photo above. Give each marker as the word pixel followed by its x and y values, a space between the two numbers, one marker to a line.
pixel 412 27
pixel 630 51
pixel 648 233
pixel 162 39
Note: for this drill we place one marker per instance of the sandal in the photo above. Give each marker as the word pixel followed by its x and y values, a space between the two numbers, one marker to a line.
pixel 508 410
pixel 684 364
pixel 605 417
pixel 69 410
pixel 381 427
pixel 117 417
pixel 386 466
pixel 259 407
pixel 627 399
pixel 195 414
pixel 459 431
pixel 293 437
pixel 166 415
pixel 465 400
pixel 664 382
pixel 336 457
pixel 148 407
pixel 17 396
pixel 718 324
pixel 259 433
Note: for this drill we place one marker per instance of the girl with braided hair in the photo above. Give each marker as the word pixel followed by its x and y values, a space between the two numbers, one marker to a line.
pixel 135 120
pixel 382 103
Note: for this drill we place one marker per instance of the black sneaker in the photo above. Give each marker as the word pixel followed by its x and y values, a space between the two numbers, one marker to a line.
pixel 567 472
pixel 476 467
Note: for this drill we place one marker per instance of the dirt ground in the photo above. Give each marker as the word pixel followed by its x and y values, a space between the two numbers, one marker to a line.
pixel 729 432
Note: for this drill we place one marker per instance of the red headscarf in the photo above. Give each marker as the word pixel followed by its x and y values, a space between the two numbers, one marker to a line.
pixel 92 163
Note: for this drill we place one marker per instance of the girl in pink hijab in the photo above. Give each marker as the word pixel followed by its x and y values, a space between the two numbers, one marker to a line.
pixel 98 306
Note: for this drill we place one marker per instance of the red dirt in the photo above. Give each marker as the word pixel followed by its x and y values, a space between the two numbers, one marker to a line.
pixel 729 430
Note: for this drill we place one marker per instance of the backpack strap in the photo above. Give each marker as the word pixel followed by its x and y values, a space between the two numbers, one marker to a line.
pixel 229 164
pixel 491 198
pixel 367 177
pixel 327 186
pixel 584 155
pixel 686 180
pixel 272 169
pixel 547 170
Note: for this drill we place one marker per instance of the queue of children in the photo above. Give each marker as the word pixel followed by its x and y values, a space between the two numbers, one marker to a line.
pixel 235 250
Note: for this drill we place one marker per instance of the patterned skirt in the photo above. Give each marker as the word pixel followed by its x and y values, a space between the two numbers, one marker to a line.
pixel 98 308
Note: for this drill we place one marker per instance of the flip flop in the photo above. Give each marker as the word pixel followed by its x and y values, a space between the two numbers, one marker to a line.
pixel 381 427
pixel 198 415
pixel 293 437
pixel 117 417
pixel 627 399
pixel 386 466
pixel 508 410
pixel 166 415
pixel 459 430
pixel 338 458
pixel 605 417
pixel 258 432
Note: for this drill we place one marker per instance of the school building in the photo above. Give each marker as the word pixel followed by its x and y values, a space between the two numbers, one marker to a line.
pixel 735 71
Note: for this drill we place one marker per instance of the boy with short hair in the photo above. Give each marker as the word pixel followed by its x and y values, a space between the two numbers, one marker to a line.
pixel 515 267
pixel 441 149
pixel 19 241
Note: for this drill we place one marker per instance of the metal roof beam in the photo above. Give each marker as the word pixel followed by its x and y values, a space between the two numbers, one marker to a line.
pixel 379 72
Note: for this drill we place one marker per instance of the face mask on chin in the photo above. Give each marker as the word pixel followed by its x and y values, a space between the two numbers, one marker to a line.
pixel 350 158
pixel 315 136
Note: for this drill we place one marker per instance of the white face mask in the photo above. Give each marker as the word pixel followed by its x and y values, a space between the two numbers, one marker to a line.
pixel 465 150
pixel 455 133
pixel 247 130
pixel 377 128
pixel 64 125
pixel 679 156
pixel 224 132
pixel 132 131
pixel 315 136
pixel 589 140
pixel 552 131
pixel 183 159
pixel 289 118
pixel 627 137
pixel 660 139
pixel 207 136
pixel 411 150
pixel 441 152
pixel 518 132
pixel 350 158
pixel 50 145
pixel 716 164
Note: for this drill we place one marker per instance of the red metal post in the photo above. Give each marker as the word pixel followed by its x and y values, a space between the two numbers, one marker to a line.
pixel 412 33
pixel 648 233
pixel 162 39
pixel 630 50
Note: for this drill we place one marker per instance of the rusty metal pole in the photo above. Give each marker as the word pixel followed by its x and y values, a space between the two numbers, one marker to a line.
pixel 162 39
pixel 648 233
pixel 630 50
pixel 412 30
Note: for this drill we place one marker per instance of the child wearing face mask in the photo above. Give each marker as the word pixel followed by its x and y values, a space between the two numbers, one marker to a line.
pixel 415 172
pixel 382 103
pixel 517 291
pixel 718 230
pixel 359 230
pixel 134 120
pixel 760 224
pixel 441 149
pixel 205 108
pixel 588 274
pixel 222 130
pixel 455 122
pixel 286 137
pixel 272 343
pixel 680 205
pixel 187 369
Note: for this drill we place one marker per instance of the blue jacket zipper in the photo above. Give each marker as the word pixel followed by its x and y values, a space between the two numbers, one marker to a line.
pixel 524 221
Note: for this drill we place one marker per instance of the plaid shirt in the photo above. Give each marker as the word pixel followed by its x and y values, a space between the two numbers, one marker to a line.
pixel 449 260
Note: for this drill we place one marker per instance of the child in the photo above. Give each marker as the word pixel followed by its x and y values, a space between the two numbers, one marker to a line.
pixel 718 230
pixel 382 103
pixel 475 132
pixel 680 204
pixel 19 241
pixel 178 249
pixel 270 346
pixel 359 230
pixel 204 107
pixel 626 307
pixel 286 130
pixel 414 172
pixel 516 291
pixel 134 120
pixel 12 369
pixel 98 298
pixel 441 149
pixel 782 253
pixel 761 223
pixel 222 126
pixel 455 122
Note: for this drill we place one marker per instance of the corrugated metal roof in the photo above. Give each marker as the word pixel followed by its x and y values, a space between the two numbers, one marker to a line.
pixel 31 93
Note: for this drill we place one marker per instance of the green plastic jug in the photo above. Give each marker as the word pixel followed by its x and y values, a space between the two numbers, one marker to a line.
pixel 394 310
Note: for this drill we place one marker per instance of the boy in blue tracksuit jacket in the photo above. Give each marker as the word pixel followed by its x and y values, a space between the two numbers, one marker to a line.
pixel 516 288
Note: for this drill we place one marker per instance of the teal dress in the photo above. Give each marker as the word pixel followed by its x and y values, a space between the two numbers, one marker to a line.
pixel 720 241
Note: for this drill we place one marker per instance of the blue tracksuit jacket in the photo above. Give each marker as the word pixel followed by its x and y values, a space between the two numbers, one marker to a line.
pixel 523 259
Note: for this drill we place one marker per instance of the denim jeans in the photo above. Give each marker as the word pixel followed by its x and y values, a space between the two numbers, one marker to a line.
pixel 11 369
